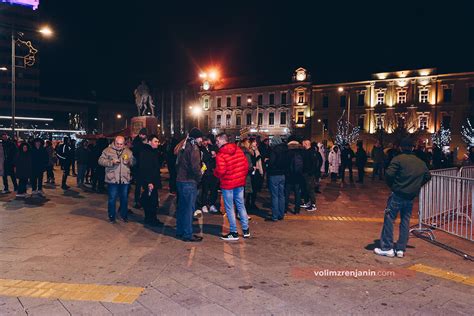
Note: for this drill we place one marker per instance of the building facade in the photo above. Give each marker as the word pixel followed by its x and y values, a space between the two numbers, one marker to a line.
pixel 271 110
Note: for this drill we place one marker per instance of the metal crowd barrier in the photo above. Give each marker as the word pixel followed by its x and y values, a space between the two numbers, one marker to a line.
pixel 446 172
pixel 446 203
pixel 466 172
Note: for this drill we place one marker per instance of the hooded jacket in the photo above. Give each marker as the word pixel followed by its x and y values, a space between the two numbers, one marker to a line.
pixel 39 159
pixel 188 161
pixel 23 163
pixel 295 159
pixel 150 164
pixel 117 173
pixel 231 167
pixel 278 162
pixel 334 160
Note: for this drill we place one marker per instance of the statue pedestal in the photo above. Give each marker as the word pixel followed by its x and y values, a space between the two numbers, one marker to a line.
pixel 139 122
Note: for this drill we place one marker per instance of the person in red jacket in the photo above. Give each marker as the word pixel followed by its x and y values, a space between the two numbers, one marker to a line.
pixel 232 169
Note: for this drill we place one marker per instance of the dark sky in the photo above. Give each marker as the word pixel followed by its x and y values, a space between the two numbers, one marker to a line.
pixel 109 46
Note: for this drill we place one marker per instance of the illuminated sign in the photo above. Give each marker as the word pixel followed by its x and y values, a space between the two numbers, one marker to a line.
pixel 27 3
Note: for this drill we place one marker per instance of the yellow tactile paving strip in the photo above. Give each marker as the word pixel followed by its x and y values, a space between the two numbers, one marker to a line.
pixel 456 277
pixel 334 218
pixel 69 291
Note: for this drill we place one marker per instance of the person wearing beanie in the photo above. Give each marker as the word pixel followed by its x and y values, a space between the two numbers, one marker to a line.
pixel 405 176
pixel 189 174
pixel 277 169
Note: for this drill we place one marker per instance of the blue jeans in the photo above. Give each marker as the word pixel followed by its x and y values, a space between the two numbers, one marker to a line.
pixel 277 191
pixel 120 190
pixel 235 196
pixel 187 193
pixel 396 204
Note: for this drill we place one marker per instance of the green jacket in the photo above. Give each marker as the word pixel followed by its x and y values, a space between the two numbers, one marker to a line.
pixel 406 174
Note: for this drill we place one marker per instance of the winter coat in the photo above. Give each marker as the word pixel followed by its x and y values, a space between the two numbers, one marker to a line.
pixel 232 167
pixel 150 164
pixel 10 151
pixel 23 165
pixel 82 155
pixel 334 161
pixel 322 152
pixel 51 155
pixel 278 162
pixel 312 162
pixel 248 179
pixel 117 173
pixel 188 162
pixel 361 157
pixel 208 160
pixel 347 154
pixel 406 174
pixel 2 159
pixel 295 162
pixel 65 154
pixel 378 156
pixel 39 160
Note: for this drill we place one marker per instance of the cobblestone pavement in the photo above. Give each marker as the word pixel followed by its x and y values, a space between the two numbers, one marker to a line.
pixel 69 251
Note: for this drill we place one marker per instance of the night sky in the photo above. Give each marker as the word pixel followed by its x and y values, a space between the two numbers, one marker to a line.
pixel 109 46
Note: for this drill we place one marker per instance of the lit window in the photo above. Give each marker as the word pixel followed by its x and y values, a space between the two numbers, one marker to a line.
pixel 424 95
pixel 380 121
pixel 301 97
pixel 423 122
pixel 300 117
pixel 380 97
pixel 402 96
pixel 227 120
pixel 206 104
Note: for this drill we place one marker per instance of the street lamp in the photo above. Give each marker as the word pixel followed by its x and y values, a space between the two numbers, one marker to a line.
pixel 28 60
pixel 341 90
pixel 323 128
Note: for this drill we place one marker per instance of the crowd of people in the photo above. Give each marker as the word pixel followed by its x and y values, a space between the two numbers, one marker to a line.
pixel 199 168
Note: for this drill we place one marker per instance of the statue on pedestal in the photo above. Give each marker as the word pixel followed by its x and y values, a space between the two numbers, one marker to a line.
pixel 144 101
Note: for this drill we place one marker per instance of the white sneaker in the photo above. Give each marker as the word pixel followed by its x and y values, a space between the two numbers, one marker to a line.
pixel 387 253
pixel 306 205
pixel 312 208
pixel 213 209
pixel 400 253
pixel 197 213
pixel 204 209
pixel 20 195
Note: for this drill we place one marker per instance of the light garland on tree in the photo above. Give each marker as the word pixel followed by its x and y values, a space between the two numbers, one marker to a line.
pixel 442 137
pixel 346 134
pixel 467 133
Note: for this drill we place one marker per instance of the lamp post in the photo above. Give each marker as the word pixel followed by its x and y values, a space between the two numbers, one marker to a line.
pixel 323 128
pixel 28 60
pixel 341 90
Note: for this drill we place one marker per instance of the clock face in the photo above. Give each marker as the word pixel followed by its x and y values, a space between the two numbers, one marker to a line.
pixel 206 85
pixel 300 75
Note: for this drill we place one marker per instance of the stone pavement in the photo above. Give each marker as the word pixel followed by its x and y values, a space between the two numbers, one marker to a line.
pixel 67 240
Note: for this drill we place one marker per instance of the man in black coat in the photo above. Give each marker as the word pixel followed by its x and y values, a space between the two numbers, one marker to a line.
pixel 209 183
pixel 10 152
pixel 149 173
pixel 347 154
pixel 65 155
pixel 312 161
pixel 138 145
pixel 39 162
pixel 361 161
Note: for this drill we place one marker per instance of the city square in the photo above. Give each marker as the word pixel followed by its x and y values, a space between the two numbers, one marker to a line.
pixel 189 158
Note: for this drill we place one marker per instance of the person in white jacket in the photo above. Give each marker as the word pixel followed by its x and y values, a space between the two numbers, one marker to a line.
pixel 334 162
pixel 322 151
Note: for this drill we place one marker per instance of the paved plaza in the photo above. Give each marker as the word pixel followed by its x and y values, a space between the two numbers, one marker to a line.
pixel 60 256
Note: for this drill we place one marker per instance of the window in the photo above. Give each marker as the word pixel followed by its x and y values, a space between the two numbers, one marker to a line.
pixel 424 94
pixel 423 122
pixel 219 102
pixel 218 120
pixel 206 104
pixel 360 123
pixel 249 118
pixel 300 117
pixel 300 97
pixel 360 99
pixel 227 120
pixel 229 102
pixel 260 99
pixel 260 118
pixel 271 98
pixel 447 121
pixel 342 101
pixel 325 101
pixel 379 122
pixel 283 98
pixel 447 95
pixel 380 97
pixel 271 118
pixel 282 118
pixel 401 96
pixel 239 100
pixel 238 120
pixel 206 122
pixel 471 94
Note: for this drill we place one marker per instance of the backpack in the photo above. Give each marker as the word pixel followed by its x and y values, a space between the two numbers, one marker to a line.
pixel 296 164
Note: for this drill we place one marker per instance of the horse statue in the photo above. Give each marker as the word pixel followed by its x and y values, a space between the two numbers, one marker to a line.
pixel 144 100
